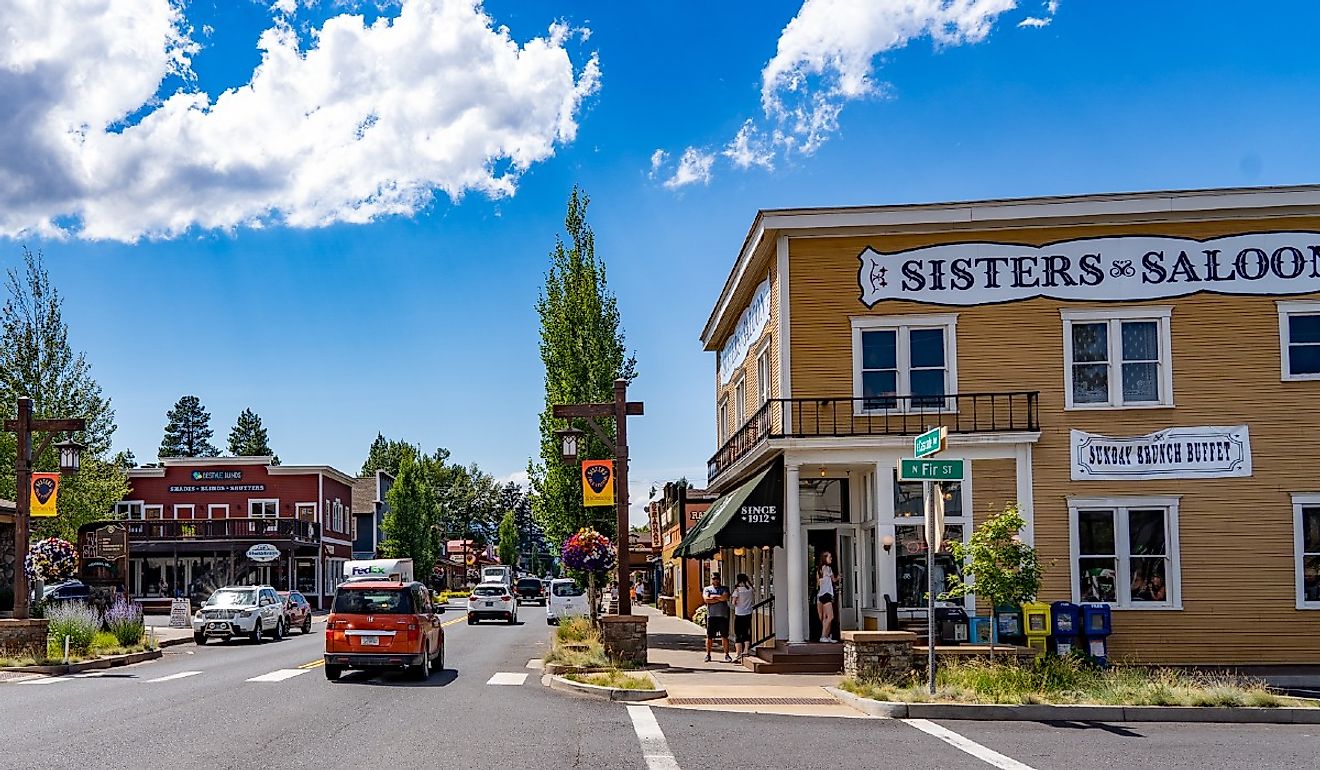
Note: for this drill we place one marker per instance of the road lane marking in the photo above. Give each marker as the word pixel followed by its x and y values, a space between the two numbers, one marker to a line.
pixel 452 622
pixel 655 749
pixel 963 743
pixel 511 679
pixel 172 677
pixel 66 678
pixel 279 676
pixel 313 664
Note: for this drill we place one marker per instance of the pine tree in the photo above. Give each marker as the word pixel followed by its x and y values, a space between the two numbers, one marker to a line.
pixel 248 437
pixel 188 432
pixel 387 455
pixel 583 350
pixel 408 524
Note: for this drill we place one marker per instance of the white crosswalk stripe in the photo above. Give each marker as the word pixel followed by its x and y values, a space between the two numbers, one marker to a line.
pixel 172 677
pixel 58 679
pixel 279 676
pixel 507 679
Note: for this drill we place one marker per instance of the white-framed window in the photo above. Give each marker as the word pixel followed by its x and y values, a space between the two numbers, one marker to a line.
pixel 722 420
pixel 128 509
pixel 305 511
pixel 1306 549
pixel 1124 551
pixel 153 512
pixel 184 511
pixel 740 402
pixel 217 511
pixel 904 363
pixel 263 509
pixel 763 376
pixel 1117 358
pixel 1299 340
pixel 337 517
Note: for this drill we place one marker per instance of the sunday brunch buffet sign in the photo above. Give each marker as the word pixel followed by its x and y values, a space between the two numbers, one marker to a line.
pixel 1173 453
pixel 1115 268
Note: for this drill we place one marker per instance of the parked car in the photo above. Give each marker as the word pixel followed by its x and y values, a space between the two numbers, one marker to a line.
pixel 492 600
pixel 67 591
pixel 530 589
pixel 251 611
pixel 297 611
pixel 383 625
pixel 567 599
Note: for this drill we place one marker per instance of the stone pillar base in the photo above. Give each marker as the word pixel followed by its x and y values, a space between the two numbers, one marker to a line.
pixel 878 656
pixel 624 637
pixel 23 638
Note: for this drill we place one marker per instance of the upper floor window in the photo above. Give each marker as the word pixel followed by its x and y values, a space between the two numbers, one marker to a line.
pixel 1299 340
pixel 263 509
pixel 722 417
pixel 1118 358
pixel 904 362
pixel 740 402
pixel 763 377
pixel 128 510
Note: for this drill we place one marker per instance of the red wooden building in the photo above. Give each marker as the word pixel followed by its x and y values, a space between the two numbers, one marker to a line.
pixel 194 522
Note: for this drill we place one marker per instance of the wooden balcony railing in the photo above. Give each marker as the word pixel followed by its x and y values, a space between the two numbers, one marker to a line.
pixel 141 530
pixel 879 416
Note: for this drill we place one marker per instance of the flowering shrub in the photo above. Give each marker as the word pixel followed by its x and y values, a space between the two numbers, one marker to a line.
pixel 75 620
pixel 124 620
pixel 50 560
pixel 700 616
pixel 588 551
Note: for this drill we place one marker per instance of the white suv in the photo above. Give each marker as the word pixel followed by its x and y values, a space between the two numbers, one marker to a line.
pixel 251 611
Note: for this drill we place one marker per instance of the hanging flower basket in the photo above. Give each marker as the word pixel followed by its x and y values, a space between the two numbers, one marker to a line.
pixel 51 559
pixel 588 551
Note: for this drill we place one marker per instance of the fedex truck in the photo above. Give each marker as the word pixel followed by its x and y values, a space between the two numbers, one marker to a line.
pixel 379 569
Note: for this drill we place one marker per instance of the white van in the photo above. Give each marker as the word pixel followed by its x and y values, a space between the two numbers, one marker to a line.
pixel 400 570
pixel 497 573
pixel 567 599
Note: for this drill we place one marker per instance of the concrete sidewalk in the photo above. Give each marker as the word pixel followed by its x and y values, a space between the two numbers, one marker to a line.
pixel 679 646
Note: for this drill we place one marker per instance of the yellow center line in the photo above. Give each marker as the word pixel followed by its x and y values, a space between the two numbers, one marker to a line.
pixel 452 622
pixel 313 664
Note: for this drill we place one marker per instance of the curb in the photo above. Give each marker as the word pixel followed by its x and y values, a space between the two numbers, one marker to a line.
pixel 113 661
pixel 1079 713
pixel 603 693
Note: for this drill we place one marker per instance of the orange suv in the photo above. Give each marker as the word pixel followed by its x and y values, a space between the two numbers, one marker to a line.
pixel 378 624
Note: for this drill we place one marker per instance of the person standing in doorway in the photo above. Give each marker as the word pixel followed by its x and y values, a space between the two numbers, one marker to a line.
pixel 743 599
pixel 716 597
pixel 825 595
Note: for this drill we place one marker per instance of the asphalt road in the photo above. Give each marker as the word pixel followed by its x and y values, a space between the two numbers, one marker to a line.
pixel 198 707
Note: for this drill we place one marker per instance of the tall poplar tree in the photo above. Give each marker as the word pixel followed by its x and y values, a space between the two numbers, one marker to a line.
pixel 188 432
pixel 507 540
pixel 407 525
pixel 583 350
pixel 249 438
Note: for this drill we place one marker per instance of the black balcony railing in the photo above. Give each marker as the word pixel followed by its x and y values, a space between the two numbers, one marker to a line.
pixel 141 530
pixel 879 416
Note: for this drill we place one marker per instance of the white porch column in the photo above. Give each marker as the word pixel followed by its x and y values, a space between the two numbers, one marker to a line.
pixel 887 583
pixel 780 567
pixel 797 557
pixel 1025 500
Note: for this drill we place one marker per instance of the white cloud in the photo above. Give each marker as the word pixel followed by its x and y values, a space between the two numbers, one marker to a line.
pixel 750 148
pixel 518 477
pixel 1034 21
pixel 693 166
pixel 1051 8
pixel 368 121
pixel 658 160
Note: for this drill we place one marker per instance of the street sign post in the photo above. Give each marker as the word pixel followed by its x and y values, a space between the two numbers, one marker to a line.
pixel 915 469
pixel 930 442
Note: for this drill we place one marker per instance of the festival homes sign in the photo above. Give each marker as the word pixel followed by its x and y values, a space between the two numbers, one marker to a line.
pixel 1173 453
pixel 1130 267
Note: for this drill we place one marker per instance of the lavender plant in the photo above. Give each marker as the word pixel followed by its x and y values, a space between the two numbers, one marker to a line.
pixel 124 620
pixel 79 622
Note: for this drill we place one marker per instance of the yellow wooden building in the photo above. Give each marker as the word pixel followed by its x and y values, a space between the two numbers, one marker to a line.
pixel 1138 373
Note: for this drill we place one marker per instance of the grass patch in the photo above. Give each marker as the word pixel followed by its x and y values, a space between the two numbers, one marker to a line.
pixel 619 680
pixel 1072 680
pixel 577 643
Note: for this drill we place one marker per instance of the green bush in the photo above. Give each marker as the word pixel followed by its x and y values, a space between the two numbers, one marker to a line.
pixel 78 622
pixel 699 617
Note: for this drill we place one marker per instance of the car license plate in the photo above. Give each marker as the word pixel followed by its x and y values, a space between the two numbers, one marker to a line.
pixel 490 604
pixel 370 641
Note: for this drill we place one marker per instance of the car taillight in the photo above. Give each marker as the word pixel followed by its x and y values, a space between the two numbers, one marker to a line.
pixel 506 598
pixel 473 598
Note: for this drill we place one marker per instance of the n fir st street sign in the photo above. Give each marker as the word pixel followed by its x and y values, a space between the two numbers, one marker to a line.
pixel 930 442
pixel 917 469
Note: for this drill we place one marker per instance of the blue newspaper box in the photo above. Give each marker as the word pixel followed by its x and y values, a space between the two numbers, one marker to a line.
pixel 1065 627
pixel 980 630
pixel 1008 625
pixel 1097 625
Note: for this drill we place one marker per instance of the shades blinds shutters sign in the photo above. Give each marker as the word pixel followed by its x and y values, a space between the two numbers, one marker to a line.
pixel 1099 269
pixel 1174 453
pixel 750 325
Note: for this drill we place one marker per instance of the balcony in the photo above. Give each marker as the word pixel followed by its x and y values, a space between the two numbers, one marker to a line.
pixel 191 530
pixel 878 416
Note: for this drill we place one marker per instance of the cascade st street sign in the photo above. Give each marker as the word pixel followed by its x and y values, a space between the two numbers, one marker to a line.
pixel 930 442
pixel 917 469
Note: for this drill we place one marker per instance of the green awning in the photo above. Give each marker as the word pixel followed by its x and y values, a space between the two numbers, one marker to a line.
pixel 747 517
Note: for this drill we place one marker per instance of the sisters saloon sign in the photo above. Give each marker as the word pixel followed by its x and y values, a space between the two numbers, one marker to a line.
pixel 1130 267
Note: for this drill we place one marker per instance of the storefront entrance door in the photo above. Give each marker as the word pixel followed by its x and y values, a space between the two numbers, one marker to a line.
pixel 847 571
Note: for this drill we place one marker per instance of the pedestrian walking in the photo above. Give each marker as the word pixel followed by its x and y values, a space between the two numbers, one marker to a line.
pixel 825 595
pixel 743 599
pixel 716 597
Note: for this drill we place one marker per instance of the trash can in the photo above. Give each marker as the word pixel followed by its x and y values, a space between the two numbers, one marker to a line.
pixel 981 630
pixel 1008 625
pixel 1036 626
pixel 1065 628
pixel 951 625
pixel 1097 625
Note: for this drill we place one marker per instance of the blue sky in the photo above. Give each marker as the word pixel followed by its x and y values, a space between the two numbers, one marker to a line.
pixel 226 250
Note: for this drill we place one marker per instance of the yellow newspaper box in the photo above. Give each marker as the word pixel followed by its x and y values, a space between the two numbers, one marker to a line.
pixel 1036 626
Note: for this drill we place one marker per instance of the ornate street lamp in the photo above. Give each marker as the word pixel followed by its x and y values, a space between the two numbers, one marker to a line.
pixel 570 439
pixel 70 456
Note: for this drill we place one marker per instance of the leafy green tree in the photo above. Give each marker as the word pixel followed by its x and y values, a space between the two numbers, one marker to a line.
pixel 408 524
pixel 507 540
pixel 248 437
pixel 583 350
pixel 1002 568
pixel 387 455
pixel 188 432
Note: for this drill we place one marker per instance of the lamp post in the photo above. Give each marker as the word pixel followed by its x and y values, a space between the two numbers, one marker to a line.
pixel 70 459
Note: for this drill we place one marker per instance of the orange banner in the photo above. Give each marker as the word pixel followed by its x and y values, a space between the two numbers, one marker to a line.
pixel 597 482
pixel 45 493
